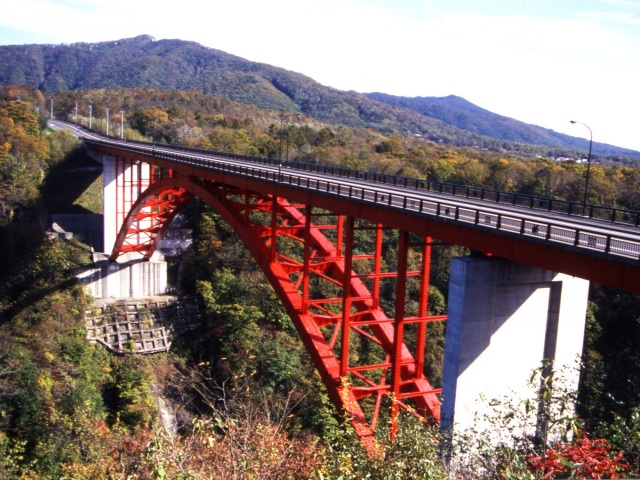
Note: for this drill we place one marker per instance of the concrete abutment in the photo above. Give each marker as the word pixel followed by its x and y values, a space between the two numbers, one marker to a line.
pixel 131 279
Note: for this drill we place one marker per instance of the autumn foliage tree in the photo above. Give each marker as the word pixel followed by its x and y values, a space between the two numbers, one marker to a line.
pixel 583 458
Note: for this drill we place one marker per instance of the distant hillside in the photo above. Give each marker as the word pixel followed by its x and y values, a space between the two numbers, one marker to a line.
pixel 466 116
pixel 143 62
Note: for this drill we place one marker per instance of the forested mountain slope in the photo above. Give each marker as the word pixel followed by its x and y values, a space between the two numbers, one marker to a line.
pixel 248 402
pixel 457 111
pixel 181 65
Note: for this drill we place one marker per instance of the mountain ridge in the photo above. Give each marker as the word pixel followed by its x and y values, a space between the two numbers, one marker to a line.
pixel 470 117
pixel 144 62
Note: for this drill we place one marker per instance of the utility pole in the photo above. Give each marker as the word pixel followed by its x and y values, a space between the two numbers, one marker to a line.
pixel 285 119
pixel 586 184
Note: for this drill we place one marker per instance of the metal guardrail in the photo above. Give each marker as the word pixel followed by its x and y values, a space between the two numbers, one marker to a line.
pixel 611 214
pixel 584 238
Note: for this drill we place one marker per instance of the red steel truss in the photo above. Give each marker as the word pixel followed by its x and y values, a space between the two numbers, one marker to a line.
pixel 370 356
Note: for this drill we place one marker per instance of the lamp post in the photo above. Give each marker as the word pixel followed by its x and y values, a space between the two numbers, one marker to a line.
pixel 586 185
pixel 283 119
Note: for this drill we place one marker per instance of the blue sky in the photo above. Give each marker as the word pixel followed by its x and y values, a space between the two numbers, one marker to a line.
pixel 544 62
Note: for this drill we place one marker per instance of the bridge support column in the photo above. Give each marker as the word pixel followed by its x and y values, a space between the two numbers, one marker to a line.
pixel 504 319
pixel 124 180
pixel 109 202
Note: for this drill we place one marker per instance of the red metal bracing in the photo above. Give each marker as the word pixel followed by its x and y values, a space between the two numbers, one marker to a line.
pixel 145 223
pixel 132 177
pixel 331 292
pixel 140 226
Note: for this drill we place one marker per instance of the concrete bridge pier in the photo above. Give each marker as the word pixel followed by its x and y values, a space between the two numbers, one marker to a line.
pixel 124 180
pixel 504 318
pixel 131 276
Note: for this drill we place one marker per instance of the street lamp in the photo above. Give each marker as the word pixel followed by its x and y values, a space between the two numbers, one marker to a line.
pixel 283 119
pixel 586 185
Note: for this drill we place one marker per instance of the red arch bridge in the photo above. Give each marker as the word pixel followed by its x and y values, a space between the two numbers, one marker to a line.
pixel 299 222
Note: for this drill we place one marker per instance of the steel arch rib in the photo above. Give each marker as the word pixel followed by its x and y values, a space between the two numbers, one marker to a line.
pixel 149 217
pixel 177 191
